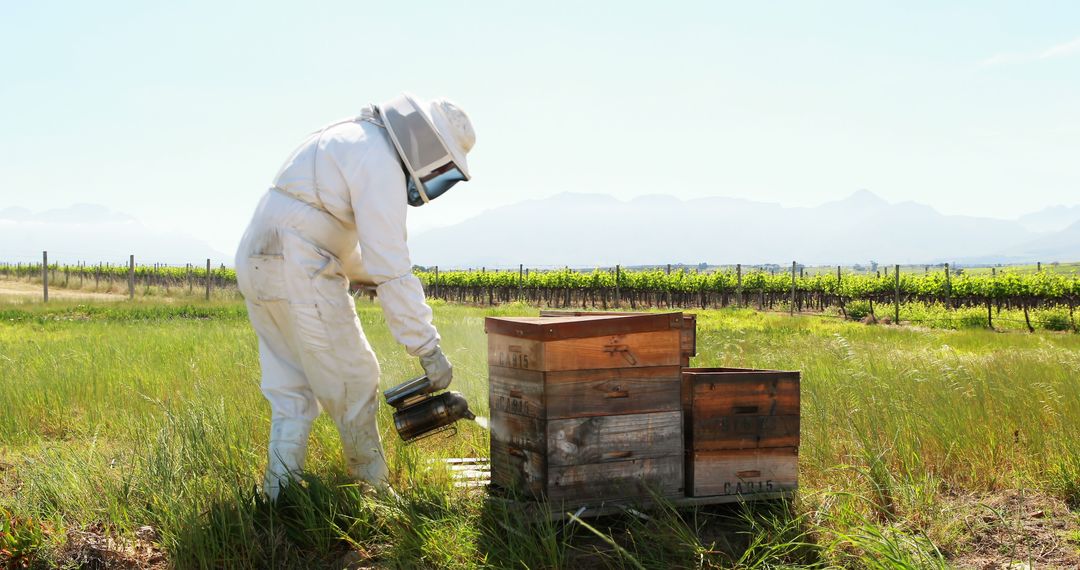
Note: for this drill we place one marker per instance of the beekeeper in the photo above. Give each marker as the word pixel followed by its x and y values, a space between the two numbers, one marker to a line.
pixel 335 214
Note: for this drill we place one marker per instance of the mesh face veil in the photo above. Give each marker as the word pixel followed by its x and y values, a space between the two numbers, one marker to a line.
pixel 431 165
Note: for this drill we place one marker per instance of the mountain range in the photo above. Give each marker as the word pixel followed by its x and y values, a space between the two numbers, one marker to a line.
pixel 597 229
pixel 94 233
pixel 590 230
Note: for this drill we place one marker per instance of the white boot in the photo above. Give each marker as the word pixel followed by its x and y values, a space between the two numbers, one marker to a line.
pixel 287 452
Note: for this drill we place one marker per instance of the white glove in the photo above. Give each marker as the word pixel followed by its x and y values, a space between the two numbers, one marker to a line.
pixel 438 369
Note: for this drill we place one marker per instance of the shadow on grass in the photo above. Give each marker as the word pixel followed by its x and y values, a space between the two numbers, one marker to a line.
pixel 317 523
pixel 749 535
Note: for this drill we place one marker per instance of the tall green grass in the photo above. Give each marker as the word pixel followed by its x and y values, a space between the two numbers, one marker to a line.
pixel 115 418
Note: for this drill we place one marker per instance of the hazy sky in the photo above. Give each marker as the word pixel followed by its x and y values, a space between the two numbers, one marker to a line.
pixel 180 113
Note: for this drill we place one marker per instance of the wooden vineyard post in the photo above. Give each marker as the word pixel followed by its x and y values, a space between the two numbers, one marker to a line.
pixel 45 275
pixel 208 279
pixel 896 303
pixel 490 289
pixel 667 282
pixel 618 273
pixel 131 277
pixel 435 287
pixel 948 288
pixel 190 283
pixel 761 291
pixel 521 280
pixel 1072 314
pixel 791 309
pixel 839 297
pixel 738 285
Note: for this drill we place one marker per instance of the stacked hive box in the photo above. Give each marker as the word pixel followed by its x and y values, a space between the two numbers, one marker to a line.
pixel 587 407
pixel 743 436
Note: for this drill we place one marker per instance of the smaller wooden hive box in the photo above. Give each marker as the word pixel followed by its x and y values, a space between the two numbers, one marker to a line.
pixel 586 407
pixel 742 431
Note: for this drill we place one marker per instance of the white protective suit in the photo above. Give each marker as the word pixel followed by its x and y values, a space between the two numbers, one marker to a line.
pixel 336 213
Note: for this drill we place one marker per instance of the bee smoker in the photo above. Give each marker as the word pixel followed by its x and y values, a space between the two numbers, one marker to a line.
pixel 419 413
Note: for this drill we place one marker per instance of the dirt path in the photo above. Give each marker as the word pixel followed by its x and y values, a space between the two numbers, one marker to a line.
pixel 23 291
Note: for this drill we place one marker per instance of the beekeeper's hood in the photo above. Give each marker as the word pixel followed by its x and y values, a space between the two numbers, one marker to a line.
pixel 432 139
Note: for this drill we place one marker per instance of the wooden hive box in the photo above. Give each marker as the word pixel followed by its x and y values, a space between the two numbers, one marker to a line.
pixel 688 332
pixel 742 431
pixel 586 407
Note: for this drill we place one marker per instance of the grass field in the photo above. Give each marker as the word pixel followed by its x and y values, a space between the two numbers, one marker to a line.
pixel 135 434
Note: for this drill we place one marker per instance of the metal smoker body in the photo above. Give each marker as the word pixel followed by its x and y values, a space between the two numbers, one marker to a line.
pixel 419 413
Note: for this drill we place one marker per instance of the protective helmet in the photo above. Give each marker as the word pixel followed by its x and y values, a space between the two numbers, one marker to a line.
pixel 432 139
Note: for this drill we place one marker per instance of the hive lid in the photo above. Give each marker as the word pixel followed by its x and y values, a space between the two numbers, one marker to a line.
pixel 581 325
pixel 720 373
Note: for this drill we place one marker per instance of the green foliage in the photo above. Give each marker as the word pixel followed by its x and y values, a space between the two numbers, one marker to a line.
pixel 1005 285
pixel 858 310
pixel 1055 319
pixel 1059 288
pixel 120 312
pixel 113 420
pixel 120 271
pixel 22 539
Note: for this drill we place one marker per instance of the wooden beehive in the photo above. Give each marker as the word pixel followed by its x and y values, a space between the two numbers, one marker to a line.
pixel 587 407
pixel 742 432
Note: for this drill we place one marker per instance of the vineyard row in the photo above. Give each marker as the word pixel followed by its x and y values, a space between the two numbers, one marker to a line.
pixel 636 289
pixel 686 288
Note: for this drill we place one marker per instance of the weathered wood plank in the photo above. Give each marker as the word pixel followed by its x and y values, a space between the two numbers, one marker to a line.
pixel 658 348
pixel 688 338
pixel 616 480
pixel 518 453
pixel 519 471
pixel 516 391
pixel 599 439
pixel 745 472
pixel 520 353
pixel 519 431
pixel 688 326
pixel 745 432
pixel 744 393
pixel 580 393
pixel 581 325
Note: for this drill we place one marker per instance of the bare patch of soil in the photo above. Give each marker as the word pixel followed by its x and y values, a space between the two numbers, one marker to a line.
pixel 24 290
pixel 95 547
pixel 1014 529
